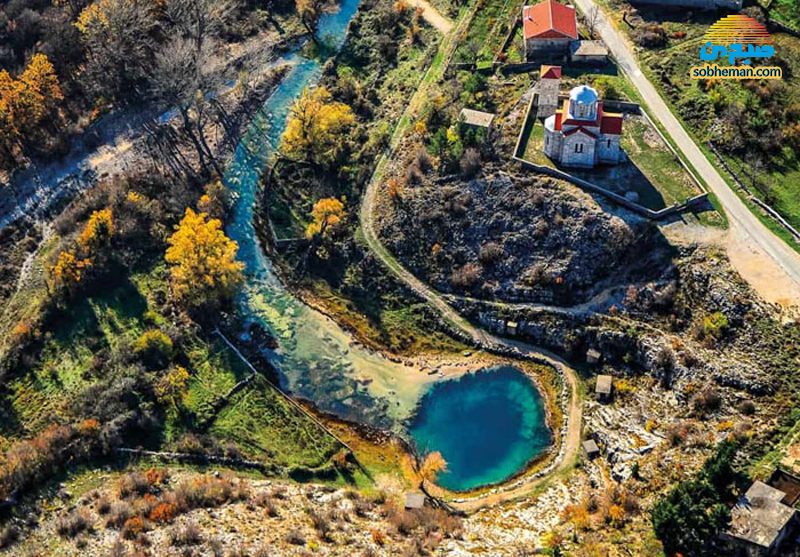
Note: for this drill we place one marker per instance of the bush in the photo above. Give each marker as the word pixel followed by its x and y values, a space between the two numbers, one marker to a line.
pixel 650 35
pixel 747 407
pixel 470 163
pixel 163 513
pixel 491 252
pixel 73 524
pixel 133 483
pixel 132 528
pixel 119 513
pixel 467 276
pixel 155 349
pixel 185 534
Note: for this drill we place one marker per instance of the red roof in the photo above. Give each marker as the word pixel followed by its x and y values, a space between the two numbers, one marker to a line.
pixel 549 20
pixel 581 130
pixel 611 123
pixel 550 72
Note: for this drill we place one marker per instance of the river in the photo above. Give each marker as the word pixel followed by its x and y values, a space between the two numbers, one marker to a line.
pixel 316 359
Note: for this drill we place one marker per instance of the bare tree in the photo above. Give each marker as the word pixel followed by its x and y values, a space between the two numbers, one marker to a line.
pixel 186 79
pixel 118 40
pixel 592 19
pixel 199 19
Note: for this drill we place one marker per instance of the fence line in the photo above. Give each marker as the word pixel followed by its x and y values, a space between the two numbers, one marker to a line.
pixel 294 403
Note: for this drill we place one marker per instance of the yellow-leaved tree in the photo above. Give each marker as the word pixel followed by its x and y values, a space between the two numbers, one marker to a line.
pixel 67 272
pixel 171 388
pixel 432 465
pixel 327 214
pixel 25 102
pixel 98 231
pixel 314 130
pixel 204 270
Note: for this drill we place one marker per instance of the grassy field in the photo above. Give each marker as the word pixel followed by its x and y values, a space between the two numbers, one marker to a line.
pixel 487 30
pixel 108 321
pixel 704 106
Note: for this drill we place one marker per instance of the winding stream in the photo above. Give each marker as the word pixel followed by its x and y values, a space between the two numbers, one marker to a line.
pixel 316 359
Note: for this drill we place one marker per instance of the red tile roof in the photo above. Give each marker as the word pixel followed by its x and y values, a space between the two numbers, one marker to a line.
pixel 549 20
pixel 611 123
pixel 550 72
pixel 581 130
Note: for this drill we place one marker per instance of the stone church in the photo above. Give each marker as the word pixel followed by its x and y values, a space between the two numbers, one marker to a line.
pixel 581 133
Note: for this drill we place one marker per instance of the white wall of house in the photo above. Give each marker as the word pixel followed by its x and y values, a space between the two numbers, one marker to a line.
pixel 578 150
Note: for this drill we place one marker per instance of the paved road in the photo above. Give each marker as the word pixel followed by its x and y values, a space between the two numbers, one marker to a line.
pixel 763 259
pixel 570 443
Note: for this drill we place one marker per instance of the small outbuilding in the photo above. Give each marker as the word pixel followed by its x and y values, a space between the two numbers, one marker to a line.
pixel 476 118
pixel 414 500
pixel 604 387
pixel 548 28
pixel 761 523
pixel 788 483
pixel 588 53
pixel 593 356
pixel 590 449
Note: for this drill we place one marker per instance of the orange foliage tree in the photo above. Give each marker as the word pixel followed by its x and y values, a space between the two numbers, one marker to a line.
pixel 204 270
pixel 327 214
pixel 314 130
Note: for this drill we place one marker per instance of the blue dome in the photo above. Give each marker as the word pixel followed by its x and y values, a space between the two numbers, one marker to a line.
pixel 583 94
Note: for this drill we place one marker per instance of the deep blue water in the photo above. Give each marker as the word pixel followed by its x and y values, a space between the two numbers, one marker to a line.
pixel 487 425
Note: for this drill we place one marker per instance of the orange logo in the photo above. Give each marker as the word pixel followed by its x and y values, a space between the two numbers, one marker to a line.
pixel 740 29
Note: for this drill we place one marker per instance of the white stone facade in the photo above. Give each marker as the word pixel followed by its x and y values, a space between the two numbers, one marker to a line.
pixel 581 134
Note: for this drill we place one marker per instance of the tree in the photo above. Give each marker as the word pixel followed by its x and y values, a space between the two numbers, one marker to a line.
pixel 98 231
pixel 66 274
pixel 327 214
pixel 171 388
pixel 204 269
pixel 26 102
pixel 592 19
pixel 689 518
pixel 310 11
pixel 185 77
pixel 199 19
pixel 315 127
pixel 118 39
pixel 155 348
pixel 432 465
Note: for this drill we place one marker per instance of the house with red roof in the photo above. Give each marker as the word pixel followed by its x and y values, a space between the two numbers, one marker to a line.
pixel 548 28
pixel 581 133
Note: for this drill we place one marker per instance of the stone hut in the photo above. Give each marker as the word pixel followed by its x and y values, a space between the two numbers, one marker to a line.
pixel 604 387
pixel 761 523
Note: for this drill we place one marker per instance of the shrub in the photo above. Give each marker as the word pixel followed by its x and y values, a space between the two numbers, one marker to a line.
pixel 491 252
pixel 378 538
pixel 423 161
pixel 467 276
pixel 164 513
pixel 73 524
pixel 321 523
pixel 132 528
pixel 155 349
pixel 714 325
pixel 185 534
pixel 708 400
pixel 133 483
pixel 118 514
pixel 8 536
pixel 650 35
pixel 102 506
pixel 470 162
pixel 295 538
pixel 747 407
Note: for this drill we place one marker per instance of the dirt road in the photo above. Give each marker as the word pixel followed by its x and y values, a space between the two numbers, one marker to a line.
pixel 432 16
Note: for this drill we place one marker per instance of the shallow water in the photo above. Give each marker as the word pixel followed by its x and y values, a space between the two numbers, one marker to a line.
pixel 315 358
pixel 487 425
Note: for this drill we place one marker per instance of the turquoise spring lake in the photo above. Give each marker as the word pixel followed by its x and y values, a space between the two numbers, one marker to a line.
pixel 487 425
